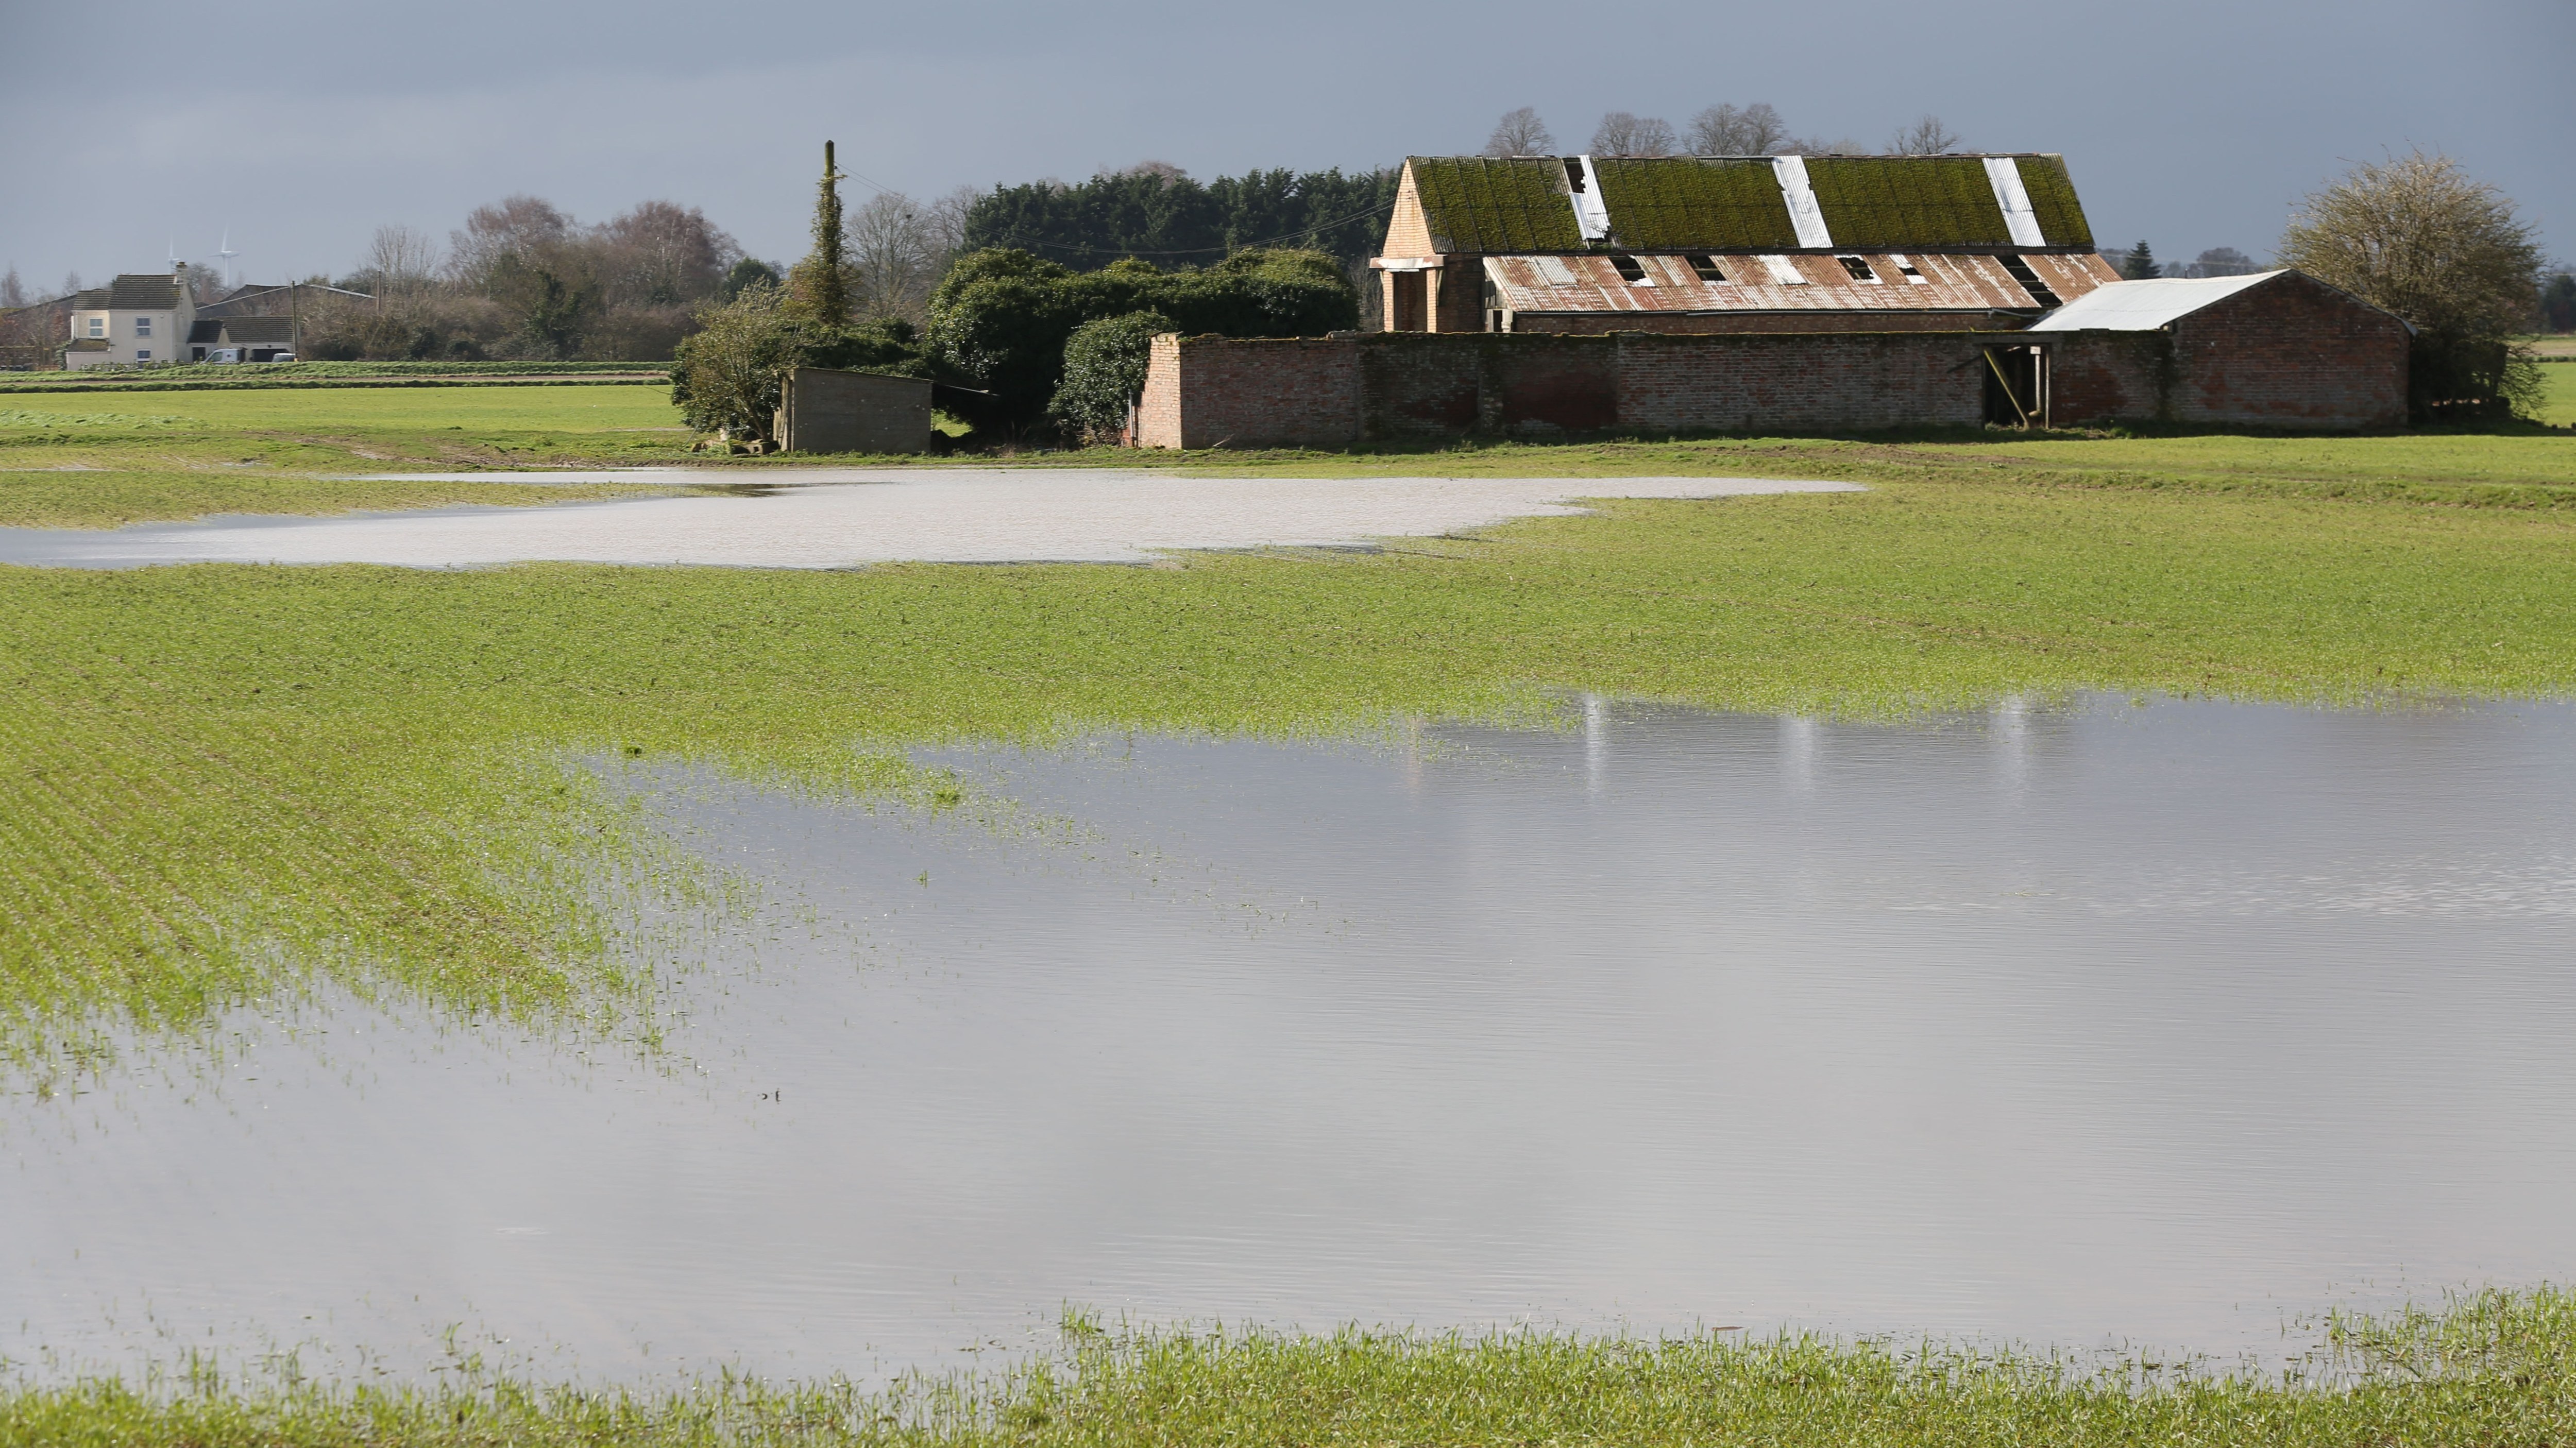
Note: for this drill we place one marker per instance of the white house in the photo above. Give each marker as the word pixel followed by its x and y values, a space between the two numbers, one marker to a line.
pixel 139 317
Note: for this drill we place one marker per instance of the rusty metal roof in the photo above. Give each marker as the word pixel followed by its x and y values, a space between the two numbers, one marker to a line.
pixel 1757 282
pixel 1741 203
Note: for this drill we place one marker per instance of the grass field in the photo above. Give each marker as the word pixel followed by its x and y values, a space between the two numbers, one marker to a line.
pixel 2497 1370
pixel 219 783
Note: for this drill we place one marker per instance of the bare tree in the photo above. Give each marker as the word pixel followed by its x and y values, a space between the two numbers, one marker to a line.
pixel 71 283
pixel 1926 137
pixel 1163 171
pixel 514 226
pixel 945 220
pixel 1722 130
pixel 894 260
pixel 13 292
pixel 1520 133
pixel 662 254
pixel 1621 134
pixel 402 260
pixel 1818 146
pixel 2421 238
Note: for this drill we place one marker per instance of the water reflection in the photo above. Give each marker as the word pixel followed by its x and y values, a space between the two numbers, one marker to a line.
pixel 2073 1024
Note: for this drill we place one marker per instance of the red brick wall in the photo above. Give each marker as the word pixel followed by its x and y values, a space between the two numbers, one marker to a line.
pixel 2301 356
pixel 2289 353
pixel 1219 391
pixel 1860 381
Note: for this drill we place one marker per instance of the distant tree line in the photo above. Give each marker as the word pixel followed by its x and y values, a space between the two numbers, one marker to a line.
pixel 1154 212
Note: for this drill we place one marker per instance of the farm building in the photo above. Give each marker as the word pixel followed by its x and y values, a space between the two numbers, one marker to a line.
pixel 1546 295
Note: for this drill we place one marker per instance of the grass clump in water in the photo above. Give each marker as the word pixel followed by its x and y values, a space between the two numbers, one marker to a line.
pixel 2495 1369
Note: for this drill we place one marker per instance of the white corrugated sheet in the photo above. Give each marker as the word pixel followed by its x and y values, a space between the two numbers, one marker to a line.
pixel 2144 306
pixel 1804 213
pixel 1591 213
pixel 2020 221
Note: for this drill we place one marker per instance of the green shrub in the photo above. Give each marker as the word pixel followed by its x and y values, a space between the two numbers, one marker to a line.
pixel 730 374
pixel 1104 371
pixel 1001 319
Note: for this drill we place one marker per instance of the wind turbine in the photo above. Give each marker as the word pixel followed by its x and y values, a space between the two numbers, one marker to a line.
pixel 227 253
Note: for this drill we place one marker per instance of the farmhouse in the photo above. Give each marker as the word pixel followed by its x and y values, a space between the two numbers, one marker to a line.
pixel 139 317
pixel 1543 295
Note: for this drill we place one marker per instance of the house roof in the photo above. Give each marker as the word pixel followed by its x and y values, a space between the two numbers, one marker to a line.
pixel 2144 306
pixel 93 300
pixel 87 344
pixel 1742 203
pixel 142 292
pixel 1760 283
pixel 245 330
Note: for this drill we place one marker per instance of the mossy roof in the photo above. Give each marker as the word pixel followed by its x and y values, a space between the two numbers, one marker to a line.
pixel 1674 203
pixel 1669 204
pixel 1477 205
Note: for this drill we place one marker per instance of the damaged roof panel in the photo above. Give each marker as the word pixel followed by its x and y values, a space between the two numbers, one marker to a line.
pixel 2052 199
pixel 1918 202
pixel 1960 283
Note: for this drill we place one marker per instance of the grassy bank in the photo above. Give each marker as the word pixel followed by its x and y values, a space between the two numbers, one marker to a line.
pixel 2497 1371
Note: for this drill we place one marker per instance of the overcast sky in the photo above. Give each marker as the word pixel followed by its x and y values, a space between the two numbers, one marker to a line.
pixel 135 127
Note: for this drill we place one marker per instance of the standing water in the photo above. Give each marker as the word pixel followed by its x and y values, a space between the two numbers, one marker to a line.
pixel 2084 1025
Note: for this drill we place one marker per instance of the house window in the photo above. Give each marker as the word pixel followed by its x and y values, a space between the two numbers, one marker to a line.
pixel 1705 268
pixel 142 354
pixel 143 326
pixel 1859 269
pixel 98 326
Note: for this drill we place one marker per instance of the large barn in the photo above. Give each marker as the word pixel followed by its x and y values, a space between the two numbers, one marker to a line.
pixel 1733 244
pixel 1548 295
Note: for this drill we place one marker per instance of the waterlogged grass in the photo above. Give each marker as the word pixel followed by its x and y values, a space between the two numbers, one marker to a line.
pixel 2497 1370
pixel 93 461
pixel 217 781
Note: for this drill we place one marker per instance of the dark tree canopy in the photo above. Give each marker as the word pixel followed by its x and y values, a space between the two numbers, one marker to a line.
pixel 2138 264
pixel 1172 220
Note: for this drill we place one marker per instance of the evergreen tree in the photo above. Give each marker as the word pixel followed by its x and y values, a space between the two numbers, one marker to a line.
pixel 816 283
pixel 2140 264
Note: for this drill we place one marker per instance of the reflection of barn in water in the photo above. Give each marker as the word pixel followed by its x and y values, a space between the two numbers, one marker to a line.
pixel 1545 295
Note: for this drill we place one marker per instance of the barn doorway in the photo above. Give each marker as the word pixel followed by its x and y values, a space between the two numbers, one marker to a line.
pixel 1408 303
pixel 2017 386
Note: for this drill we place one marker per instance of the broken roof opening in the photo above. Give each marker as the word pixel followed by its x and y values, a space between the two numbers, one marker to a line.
pixel 1704 267
pixel 2030 281
pixel 1859 269
pixel 1627 267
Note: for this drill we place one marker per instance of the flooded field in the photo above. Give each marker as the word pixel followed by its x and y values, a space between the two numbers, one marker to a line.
pixel 839 517
pixel 2108 1022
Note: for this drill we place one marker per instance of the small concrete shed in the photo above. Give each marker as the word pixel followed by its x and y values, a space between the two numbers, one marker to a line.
pixel 823 410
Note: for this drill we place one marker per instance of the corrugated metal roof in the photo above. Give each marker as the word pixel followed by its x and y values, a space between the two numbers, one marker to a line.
pixel 1737 203
pixel 1670 283
pixel 2144 306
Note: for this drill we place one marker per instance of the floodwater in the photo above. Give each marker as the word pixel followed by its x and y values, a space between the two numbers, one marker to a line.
pixel 844 517
pixel 2156 1023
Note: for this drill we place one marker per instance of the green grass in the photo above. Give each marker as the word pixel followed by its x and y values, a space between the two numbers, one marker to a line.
pixel 2496 1370
pixel 98 461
